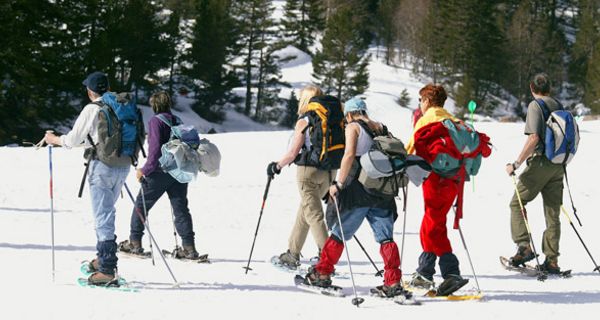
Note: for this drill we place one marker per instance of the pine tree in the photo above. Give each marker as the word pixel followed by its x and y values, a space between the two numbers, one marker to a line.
pixel 385 24
pixel 536 46
pixel 213 41
pixel 301 21
pixel 34 68
pixel 584 65
pixel 258 42
pixel 291 115
pixel 592 82
pixel 141 47
pixel 341 67
pixel 404 99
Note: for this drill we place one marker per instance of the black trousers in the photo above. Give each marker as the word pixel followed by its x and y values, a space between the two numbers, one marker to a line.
pixel 154 186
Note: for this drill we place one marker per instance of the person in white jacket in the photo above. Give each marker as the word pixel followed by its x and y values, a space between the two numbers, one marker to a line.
pixel 105 181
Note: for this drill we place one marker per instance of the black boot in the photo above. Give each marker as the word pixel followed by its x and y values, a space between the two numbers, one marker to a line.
pixel 451 284
pixel 314 278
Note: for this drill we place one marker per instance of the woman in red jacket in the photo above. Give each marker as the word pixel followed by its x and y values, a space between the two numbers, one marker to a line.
pixel 439 194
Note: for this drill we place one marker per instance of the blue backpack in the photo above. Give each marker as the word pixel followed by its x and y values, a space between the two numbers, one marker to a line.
pixel 561 138
pixel 179 156
pixel 120 130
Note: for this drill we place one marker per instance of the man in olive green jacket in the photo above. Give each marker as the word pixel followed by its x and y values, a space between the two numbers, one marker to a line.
pixel 540 176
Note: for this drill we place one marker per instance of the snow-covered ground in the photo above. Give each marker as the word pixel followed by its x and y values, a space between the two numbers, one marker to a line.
pixel 225 211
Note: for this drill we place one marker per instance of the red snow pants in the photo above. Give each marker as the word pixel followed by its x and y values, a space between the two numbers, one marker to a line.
pixel 332 250
pixel 439 194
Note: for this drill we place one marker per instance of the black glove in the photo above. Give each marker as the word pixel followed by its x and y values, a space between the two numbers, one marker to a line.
pixel 272 169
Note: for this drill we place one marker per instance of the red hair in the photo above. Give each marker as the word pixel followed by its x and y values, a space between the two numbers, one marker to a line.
pixel 435 94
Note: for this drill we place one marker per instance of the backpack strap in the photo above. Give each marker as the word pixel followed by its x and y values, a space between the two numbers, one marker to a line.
pixel 104 108
pixel 370 132
pixel 165 120
pixel 545 111
pixel 141 130
pixel 544 108
pixel 169 123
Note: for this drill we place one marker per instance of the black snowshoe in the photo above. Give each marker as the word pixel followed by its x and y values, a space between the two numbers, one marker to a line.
pixel 187 253
pixel 133 248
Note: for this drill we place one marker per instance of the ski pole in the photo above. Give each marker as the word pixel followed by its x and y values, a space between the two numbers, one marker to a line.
pixel 541 275
pixel 356 300
pixel 405 193
pixel 174 229
pixel 176 284
pixel 462 237
pixel 51 208
pixel 147 223
pixel 379 273
pixel 262 208
pixel 597 268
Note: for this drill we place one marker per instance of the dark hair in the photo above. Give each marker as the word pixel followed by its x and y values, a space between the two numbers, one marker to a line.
pixel 160 102
pixel 435 94
pixel 540 84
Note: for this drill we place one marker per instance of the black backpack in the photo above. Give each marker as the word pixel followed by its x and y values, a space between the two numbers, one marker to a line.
pixel 326 131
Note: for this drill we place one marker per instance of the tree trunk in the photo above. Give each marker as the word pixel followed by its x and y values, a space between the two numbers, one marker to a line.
pixel 249 72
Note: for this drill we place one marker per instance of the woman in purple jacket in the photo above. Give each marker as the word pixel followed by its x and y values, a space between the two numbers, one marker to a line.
pixel 156 182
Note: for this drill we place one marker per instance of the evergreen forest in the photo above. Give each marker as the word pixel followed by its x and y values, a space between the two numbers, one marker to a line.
pixel 227 53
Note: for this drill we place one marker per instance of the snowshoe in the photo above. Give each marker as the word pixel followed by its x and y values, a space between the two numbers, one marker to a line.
pixel 187 254
pixel 396 292
pixel 102 279
pixel 330 290
pixel 133 248
pixel 550 267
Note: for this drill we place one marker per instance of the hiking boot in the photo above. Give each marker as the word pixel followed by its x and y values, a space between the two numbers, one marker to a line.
pixel 314 278
pixel 133 247
pixel 394 290
pixel 289 260
pixel 550 266
pixel 188 252
pixel 102 279
pixel 451 285
pixel 524 254
pixel 93 266
pixel 420 281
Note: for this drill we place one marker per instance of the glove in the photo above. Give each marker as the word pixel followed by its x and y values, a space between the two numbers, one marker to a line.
pixel 272 169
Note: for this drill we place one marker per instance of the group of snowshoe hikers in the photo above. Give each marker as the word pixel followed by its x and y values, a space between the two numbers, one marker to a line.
pixel 334 146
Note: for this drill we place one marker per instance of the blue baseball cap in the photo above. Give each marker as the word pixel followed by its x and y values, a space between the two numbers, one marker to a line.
pixel 354 104
pixel 97 82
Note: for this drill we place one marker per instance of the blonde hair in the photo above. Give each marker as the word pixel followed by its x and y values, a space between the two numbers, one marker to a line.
pixel 305 95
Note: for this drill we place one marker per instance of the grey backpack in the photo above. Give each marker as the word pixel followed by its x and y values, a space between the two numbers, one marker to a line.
pixel 382 167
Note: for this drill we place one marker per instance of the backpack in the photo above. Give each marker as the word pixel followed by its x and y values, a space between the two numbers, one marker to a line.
pixel 179 157
pixel 454 150
pixel 382 167
pixel 326 132
pixel 451 146
pixel 210 158
pixel 120 130
pixel 561 137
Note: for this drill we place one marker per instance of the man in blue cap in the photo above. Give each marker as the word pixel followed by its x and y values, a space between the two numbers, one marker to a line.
pixel 105 181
